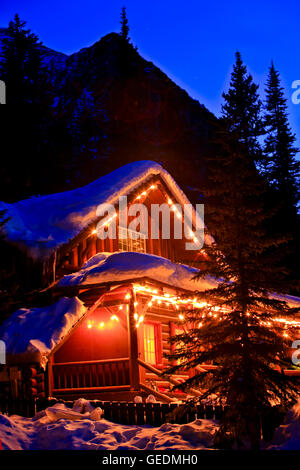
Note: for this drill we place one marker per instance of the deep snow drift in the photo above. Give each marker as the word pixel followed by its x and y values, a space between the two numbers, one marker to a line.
pixel 49 431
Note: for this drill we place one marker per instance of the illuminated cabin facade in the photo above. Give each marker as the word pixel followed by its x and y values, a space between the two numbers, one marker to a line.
pixel 118 348
pixel 128 293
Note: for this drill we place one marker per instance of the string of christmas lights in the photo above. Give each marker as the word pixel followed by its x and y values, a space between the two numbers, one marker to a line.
pixel 138 198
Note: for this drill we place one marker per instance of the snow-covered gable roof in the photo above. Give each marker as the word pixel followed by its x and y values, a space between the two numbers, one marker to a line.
pixel 42 224
pixel 36 331
pixel 121 266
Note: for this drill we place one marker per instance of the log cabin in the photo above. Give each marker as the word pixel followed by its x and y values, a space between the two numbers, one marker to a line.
pixel 115 301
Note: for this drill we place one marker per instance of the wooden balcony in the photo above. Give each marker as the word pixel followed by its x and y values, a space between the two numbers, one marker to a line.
pixel 110 374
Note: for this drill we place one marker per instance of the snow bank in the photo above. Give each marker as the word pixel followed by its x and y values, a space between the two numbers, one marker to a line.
pixel 41 224
pixel 287 436
pixel 121 266
pixel 38 330
pixel 45 433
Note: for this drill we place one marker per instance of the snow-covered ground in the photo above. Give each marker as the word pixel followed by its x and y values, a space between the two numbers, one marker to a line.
pixel 287 436
pixel 51 430
pixel 59 428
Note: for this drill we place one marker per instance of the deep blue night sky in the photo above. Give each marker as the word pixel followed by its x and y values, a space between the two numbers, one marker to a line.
pixel 193 41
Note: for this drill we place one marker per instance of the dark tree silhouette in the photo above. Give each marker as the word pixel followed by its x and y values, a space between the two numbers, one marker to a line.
pixel 282 168
pixel 21 66
pixel 124 25
pixel 28 112
pixel 241 110
pixel 235 327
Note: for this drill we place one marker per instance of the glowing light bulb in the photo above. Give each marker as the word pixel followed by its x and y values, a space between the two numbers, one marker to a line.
pixel 127 296
pixel 180 316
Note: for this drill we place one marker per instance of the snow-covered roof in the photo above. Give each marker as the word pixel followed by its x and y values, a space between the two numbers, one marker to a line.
pixel 36 331
pixel 120 266
pixel 41 224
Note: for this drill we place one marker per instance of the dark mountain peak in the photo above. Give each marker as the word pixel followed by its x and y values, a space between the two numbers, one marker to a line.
pixel 110 107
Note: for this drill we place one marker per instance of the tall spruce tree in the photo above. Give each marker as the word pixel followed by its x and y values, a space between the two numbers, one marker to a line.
pixel 21 67
pixel 241 110
pixel 28 113
pixel 282 168
pixel 124 25
pixel 236 325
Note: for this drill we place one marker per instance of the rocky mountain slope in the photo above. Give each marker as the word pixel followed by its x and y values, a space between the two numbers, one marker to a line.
pixel 109 107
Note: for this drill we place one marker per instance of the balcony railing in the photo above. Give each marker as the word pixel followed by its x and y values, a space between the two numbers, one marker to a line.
pixel 91 375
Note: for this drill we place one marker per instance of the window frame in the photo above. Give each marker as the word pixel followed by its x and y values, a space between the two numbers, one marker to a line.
pixel 157 342
pixel 129 241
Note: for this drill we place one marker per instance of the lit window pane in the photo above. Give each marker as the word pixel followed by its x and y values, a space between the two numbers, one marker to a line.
pixel 149 343
pixel 130 240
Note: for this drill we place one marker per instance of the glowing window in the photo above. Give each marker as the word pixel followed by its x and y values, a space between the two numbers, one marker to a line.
pixel 149 343
pixel 129 240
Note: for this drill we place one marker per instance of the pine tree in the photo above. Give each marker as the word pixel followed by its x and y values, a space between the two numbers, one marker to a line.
pixel 282 167
pixel 21 66
pixel 124 25
pixel 28 114
pixel 281 170
pixel 241 111
pixel 235 326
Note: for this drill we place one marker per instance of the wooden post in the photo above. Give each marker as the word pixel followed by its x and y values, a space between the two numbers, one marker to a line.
pixel 142 372
pixel 133 345
pixel 50 376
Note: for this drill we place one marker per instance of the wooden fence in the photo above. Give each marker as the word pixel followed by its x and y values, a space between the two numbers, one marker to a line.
pixel 21 407
pixel 153 414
